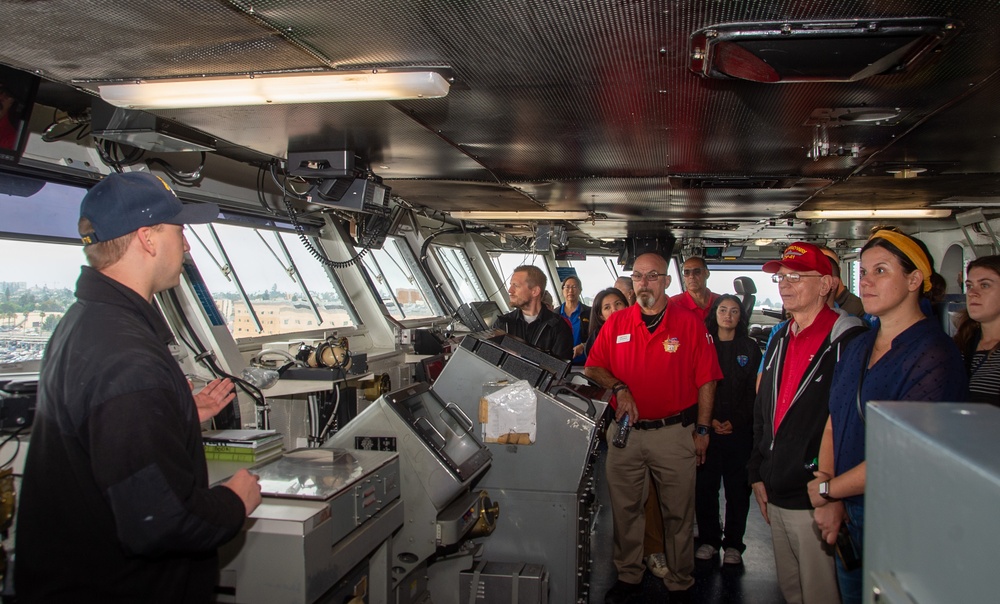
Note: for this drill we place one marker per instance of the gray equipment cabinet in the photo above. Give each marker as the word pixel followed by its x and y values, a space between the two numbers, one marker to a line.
pixel 931 503
pixel 546 490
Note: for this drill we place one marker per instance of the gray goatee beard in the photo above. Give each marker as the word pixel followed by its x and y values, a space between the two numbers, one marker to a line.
pixel 647 300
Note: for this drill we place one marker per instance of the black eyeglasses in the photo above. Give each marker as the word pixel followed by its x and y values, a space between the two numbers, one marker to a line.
pixel 791 277
pixel 692 272
pixel 650 276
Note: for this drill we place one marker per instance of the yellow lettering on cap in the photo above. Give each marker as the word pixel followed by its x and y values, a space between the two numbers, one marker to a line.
pixel 790 252
pixel 164 183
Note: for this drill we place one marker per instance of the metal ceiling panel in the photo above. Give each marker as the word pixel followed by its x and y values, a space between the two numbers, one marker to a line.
pixel 583 104
pixel 97 39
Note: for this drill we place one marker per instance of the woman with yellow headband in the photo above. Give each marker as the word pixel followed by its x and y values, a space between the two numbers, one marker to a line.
pixel 907 357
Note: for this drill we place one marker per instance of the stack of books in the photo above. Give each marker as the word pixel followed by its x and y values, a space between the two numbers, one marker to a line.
pixel 247 446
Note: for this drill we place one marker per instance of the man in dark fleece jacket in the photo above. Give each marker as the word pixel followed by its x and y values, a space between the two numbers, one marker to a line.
pixel 115 503
pixel 790 413
pixel 530 320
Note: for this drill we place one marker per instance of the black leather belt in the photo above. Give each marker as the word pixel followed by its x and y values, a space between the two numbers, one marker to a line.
pixel 655 424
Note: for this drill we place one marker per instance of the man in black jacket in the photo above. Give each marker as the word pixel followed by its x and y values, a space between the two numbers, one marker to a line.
pixel 530 320
pixel 790 413
pixel 115 504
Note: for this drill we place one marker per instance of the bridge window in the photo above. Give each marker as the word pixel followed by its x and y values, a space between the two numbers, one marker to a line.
pixel 36 289
pixel 400 282
pixel 255 273
pixel 42 256
pixel 723 275
pixel 506 262
pixel 600 272
pixel 460 273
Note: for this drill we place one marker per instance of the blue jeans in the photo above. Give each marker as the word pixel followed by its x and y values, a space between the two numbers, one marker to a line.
pixel 850 580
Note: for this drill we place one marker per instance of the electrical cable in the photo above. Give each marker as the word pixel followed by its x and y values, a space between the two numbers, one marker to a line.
pixel 315 253
pixel 333 414
pixel 284 190
pixel 207 357
pixel 312 412
pixel 76 123
pixel 114 156
pixel 261 198
pixel 187 179
pixel 446 304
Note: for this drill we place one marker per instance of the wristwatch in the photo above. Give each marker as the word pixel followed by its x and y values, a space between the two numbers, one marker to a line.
pixel 701 430
pixel 824 491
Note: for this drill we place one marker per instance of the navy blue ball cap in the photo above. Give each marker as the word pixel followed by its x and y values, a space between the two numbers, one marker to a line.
pixel 123 203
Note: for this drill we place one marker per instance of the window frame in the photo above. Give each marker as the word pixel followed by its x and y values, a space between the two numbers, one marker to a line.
pixel 468 269
pixel 416 271
pixel 257 226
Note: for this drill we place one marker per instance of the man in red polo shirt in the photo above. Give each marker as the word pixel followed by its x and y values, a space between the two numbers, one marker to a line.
pixel 696 296
pixel 790 414
pixel 659 361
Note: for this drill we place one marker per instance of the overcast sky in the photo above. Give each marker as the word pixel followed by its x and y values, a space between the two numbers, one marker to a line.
pixel 40 264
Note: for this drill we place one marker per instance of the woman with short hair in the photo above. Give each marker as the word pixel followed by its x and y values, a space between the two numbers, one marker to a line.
pixel 907 357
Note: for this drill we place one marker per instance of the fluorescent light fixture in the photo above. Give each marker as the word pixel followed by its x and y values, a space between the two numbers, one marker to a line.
pixel 975 202
pixel 519 216
pixel 866 214
pixel 276 89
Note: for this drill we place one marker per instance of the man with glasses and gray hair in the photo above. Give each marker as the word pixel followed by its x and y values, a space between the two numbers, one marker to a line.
pixel 790 414
pixel 659 361
pixel 696 296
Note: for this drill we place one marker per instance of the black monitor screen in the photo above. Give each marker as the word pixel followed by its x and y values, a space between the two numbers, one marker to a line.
pixel 479 316
pixel 17 96
pixel 488 312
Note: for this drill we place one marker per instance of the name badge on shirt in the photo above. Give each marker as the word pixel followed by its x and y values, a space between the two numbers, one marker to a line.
pixel 671 344
pixel 625 337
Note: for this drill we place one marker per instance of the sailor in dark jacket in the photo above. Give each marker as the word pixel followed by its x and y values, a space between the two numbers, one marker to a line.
pixel 115 503
pixel 790 413
pixel 530 320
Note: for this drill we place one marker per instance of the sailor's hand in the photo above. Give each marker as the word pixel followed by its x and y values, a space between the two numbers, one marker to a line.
pixel 213 398
pixel 246 487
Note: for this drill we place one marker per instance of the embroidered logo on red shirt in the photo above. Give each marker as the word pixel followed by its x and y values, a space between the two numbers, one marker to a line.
pixel 671 344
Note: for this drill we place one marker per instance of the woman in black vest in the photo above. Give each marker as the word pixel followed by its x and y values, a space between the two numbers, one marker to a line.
pixel 732 435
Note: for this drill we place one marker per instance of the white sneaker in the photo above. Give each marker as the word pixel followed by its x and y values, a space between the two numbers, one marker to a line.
pixel 657 564
pixel 706 552
pixel 732 556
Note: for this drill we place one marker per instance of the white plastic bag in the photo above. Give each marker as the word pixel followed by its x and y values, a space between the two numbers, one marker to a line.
pixel 508 414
